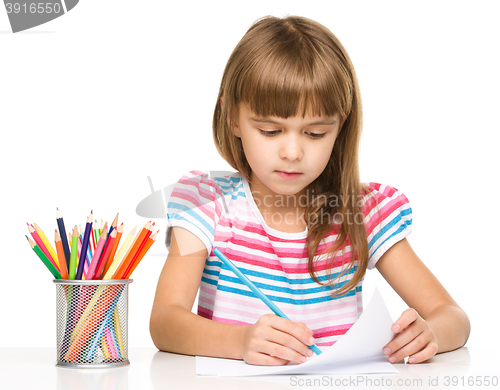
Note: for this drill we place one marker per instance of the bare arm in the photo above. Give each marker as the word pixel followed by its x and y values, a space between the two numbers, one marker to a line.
pixel 435 323
pixel 174 328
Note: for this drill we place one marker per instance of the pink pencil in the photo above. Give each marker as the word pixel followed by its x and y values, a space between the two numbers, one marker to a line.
pixel 110 344
pixel 95 259
pixel 39 242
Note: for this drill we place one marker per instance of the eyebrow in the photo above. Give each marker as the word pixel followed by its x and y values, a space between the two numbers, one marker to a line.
pixel 269 120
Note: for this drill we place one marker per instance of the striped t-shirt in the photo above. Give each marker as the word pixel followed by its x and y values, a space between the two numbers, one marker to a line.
pixel 221 212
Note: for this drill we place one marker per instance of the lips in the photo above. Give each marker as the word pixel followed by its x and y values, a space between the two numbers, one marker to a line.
pixel 290 175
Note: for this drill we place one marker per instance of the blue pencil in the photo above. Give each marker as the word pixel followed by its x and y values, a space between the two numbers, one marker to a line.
pixel 85 244
pixel 256 291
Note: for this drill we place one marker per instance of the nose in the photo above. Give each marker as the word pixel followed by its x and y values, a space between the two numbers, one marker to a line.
pixel 291 149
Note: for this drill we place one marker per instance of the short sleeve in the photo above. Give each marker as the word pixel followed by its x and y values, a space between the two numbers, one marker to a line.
pixel 388 219
pixel 196 205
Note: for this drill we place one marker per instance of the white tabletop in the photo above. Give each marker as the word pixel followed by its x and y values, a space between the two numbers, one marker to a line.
pixel 34 368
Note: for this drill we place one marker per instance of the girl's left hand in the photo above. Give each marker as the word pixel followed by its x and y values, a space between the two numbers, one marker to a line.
pixel 414 339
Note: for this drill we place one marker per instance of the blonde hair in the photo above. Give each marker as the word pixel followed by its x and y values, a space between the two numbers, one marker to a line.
pixel 294 66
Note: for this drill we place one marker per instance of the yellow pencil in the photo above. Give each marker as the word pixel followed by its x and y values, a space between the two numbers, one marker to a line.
pixel 119 256
pixel 47 244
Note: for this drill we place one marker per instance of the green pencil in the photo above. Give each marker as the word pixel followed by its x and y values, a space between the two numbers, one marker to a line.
pixel 44 259
pixel 74 254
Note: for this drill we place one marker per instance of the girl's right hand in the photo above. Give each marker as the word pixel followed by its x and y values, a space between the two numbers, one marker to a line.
pixel 276 341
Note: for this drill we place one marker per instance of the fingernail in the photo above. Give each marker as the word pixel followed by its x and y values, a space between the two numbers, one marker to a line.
pixel 309 353
pixel 387 351
pixel 311 340
pixel 392 359
pixel 412 360
pixel 395 328
pixel 303 359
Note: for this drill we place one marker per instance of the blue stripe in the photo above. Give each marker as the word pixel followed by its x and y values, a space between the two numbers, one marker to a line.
pixel 191 212
pixel 277 278
pixel 388 226
pixel 401 228
pixel 283 299
pixel 285 290
pixel 178 217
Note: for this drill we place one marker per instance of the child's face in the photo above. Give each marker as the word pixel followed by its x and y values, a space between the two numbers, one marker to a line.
pixel 295 144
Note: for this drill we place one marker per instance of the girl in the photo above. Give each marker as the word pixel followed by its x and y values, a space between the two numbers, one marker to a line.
pixel 294 217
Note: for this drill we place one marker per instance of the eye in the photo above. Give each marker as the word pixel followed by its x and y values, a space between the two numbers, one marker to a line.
pixel 316 135
pixel 269 133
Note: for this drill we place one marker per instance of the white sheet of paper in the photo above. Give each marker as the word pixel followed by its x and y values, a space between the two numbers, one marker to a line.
pixel 359 351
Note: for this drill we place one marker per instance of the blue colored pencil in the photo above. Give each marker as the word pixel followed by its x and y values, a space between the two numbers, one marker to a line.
pixel 85 244
pixel 256 291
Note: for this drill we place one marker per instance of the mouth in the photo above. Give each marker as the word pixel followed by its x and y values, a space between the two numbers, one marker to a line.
pixel 289 175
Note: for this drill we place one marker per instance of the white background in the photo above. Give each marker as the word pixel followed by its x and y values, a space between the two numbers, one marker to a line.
pixel 97 100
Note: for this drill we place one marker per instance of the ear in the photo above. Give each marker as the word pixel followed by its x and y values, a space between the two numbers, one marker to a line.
pixel 232 119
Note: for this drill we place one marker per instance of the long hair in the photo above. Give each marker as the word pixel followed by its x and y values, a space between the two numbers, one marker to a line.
pixel 284 66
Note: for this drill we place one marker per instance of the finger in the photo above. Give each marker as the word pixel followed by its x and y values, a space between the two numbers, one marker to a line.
pixel 305 327
pixel 429 351
pixel 285 346
pixel 415 346
pixel 262 359
pixel 408 316
pixel 402 339
pixel 292 328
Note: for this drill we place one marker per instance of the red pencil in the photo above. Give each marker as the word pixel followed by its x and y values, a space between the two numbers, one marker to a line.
pixel 104 256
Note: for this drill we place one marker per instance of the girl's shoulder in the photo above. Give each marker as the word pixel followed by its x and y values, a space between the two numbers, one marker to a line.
pixel 387 217
pixel 382 204
pixel 220 182
pixel 377 192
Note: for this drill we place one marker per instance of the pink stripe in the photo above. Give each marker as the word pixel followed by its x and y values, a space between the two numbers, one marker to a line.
pixel 257 304
pixel 226 321
pixel 310 322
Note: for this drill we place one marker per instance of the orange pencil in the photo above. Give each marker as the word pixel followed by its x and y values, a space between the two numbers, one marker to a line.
pixel 111 256
pixel 146 247
pixel 60 255
pixel 131 253
pixel 138 252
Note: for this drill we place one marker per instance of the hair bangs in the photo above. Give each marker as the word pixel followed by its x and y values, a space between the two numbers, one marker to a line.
pixel 292 78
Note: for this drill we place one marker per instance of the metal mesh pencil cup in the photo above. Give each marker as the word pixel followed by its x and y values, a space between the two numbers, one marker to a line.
pixel 92 323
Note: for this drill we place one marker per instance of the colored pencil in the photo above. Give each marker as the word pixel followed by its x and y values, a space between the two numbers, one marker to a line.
pixel 150 242
pixel 74 254
pixel 97 254
pixel 62 231
pixel 104 256
pixel 60 255
pixel 47 244
pixel 137 253
pixel 40 244
pixel 44 258
pixel 119 273
pixel 113 224
pixel 111 256
pixel 85 244
pixel 256 291
pixel 120 255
